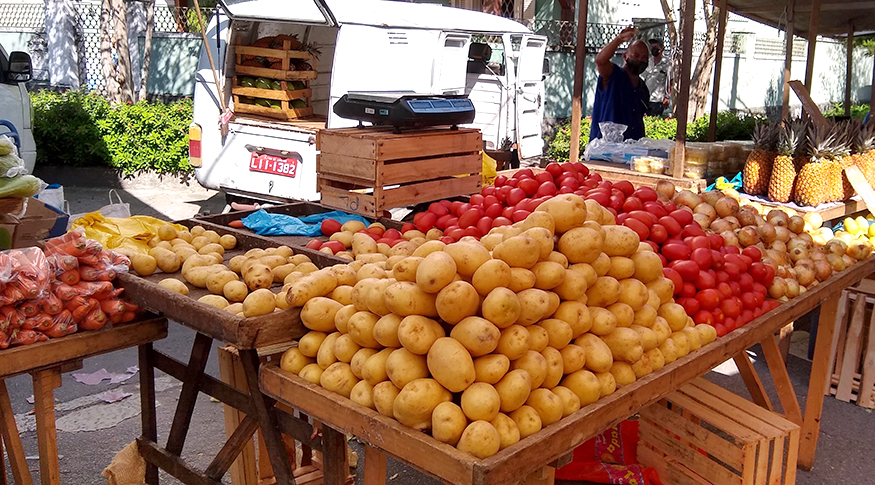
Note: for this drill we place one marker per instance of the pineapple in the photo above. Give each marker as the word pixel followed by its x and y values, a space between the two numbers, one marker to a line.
pixel 864 144
pixel 758 167
pixel 848 157
pixel 783 176
pixel 814 184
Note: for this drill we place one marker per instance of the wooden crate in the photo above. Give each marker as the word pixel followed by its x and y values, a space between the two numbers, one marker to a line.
pixel 284 55
pixel 369 170
pixel 285 74
pixel 704 434
pixel 852 363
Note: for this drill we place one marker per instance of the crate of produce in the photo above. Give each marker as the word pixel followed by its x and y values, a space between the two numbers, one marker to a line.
pixel 370 170
pixel 282 57
pixel 704 434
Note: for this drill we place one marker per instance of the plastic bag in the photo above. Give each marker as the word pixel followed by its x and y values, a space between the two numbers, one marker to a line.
pixel 11 166
pixel 7 146
pixel 610 457
pixel 269 224
pixel 132 233
pixel 24 273
pixel 489 170
pixel 53 196
pixel 22 186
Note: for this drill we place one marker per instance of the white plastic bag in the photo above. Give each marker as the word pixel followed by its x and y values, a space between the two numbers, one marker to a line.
pixel 120 209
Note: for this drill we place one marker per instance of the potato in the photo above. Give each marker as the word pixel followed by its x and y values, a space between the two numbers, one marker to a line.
pixel 299 259
pixel 573 285
pixel 518 252
pixel 235 290
pixel 363 393
pixel 310 343
pixel 311 373
pixel 538 338
pixel 623 313
pixel 196 231
pixel 371 270
pixel 406 298
pixel 570 401
pixel 521 279
pixel 374 369
pixel 435 272
pixel 418 334
pixel 502 307
pixel 527 420
pixel 581 245
pixel 648 266
pixel 674 315
pixel 477 335
pixel 373 257
pixel 621 268
pixel 415 403
pixel 405 248
pixel 576 315
pixel 514 342
pixel 605 291
pixel 544 238
pixel 587 271
pixel 254 253
pixel 645 317
pixel 585 385
pixel 197 276
pixel 318 314
pixel 623 373
pixel 490 368
pixel 216 281
pixel 657 361
pixel 386 331
pixel 282 271
pixel 559 332
pixel 534 306
pixel 539 219
pixel 359 359
pixel 212 236
pixel 262 302
pixel 166 260
pixel 568 211
pixel 293 360
pixel 360 293
pixel 492 274
pixel 602 264
pixel 480 439
pixel 507 430
pixel 214 301
pixel 663 331
pixel 598 354
pixel 345 348
pixel 603 321
pixel 338 378
pixel 693 338
pixel 448 422
pixel 467 256
pixel 363 244
pixel 199 241
pixel 374 297
pixel 573 358
pixel 607 383
pixel 166 232
pixel 451 364
pixel 174 285
pixel 457 301
pixel 143 264
pixel 514 389
pixel 319 283
pixel 535 364
pixel 403 367
pixel 384 395
pixel 620 241
pixel 480 401
pixel 184 252
pixel 342 295
pixel 258 276
pixel 707 333
pixel 669 350
pixel 361 328
pixel 664 288
pixel 548 275
pixel 548 405
pixel 405 269
pixel 625 345
pixel 325 356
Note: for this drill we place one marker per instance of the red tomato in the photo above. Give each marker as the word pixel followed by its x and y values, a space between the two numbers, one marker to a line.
pixel 513 182
pixel 500 181
pixel 503 192
pixel 473 232
pixel 546 189
pixel 452 221
pixel 675 278
pixel 605 184
pixel 441 222
pixel 600 197
pixel 753 253
pixel 745 281
pixel 702 257
pixel 757 312
pixel 446 240
pixel 554 169
pixel 638 227
pixel 723 277
pixel 408 226
pixel 622 218
pixel 691 305
pixel 450 229
pixel 542 177
pixel 669 207
pixel 700 242
pixel 501 221
pixel 671 225
pixel 748 299
pixel 376 230
pixel 718 315
pixel 581 168
pixel 692 229
pixel 736 288
pixel 515 196
pixel 626 187
pixel 525 171
pixel 676 251
pixel 732 270
pixel 520 215
pixel 709 298
pixel 477 199
pixel 757 270
pixel 489 200
pixel 507 212
pixel 658 234
pixel 385 241
pixel 716 241
pixel 759 288
pixel 334 246
pixel 716 259
pixel 721 327
pixel 724 289
pixel 586 182
pixel 426 222
pixel 683 216
pixel 569 181
pixel 731 307
pixel 456 208
pixel 392 234
pixel 688 290
pixel 655 208
pixel 632 204
pixel 643 216
pixel 488 190
pixel 529 186
pixel 484 224
pixel 705 281
pixel 770 275
pixel 493 210
pixel 329 227
pixel 688 270
pixel 531 205
pixel 615 202
pixel 704 316
pixel 731 249
pixel 371 235
pixel 314 244
pixel 646 194
pixel 469 218
pixel 655 247
pixel 593 176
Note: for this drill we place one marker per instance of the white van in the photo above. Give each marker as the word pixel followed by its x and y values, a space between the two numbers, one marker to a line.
pixel 364 45
pixel 15 109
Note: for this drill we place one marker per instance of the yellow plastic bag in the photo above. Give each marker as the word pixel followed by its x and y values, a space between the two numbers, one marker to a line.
pixel 132 233
pixel 489 170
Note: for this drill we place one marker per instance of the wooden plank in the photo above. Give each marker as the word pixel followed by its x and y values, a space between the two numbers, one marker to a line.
pixel 9 434
pixel 813 23
pixel 577 86
pixel 718 70
pixel 762 462
pixel 849 66
pixel 683 96
pixel 807 103
pixel 866 396
pixel 839 336
pixel 357 167
pixel 428 191
pixel 430 168
pixel 282 114
pixel 278 94
pixel 651 458
pixel 748 472
pixel 197 362
pixel 789 33
pixel 375 466
pixel 232 448
pixel 616 173
pixel 739 402
pixel 851 358
pixel 430 144
pixel 208 385
pixel 814 402
pixel 341 142
pixel 247 50
pixel 781 379
pixel 172 464
pixel 696 435
pixel 80 345
pixel 243 468
pixel 792 457
pixel 776 451
pixel 861 185
pixel 738 422
pixel 752 380
pixel 148 416
pixel 677 474
pixel 348 201
pixel 689 457
pixel 275 73
pixel 335 468
pixel 44 384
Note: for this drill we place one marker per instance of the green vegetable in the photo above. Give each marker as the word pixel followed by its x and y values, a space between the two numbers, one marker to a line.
pixel 6 145
pixel 263 102
pixel 297 85
pixel 276 85
pixel 23 186
pixel 262 83
pixel 9 162
pixel 247 82
pixel 299 103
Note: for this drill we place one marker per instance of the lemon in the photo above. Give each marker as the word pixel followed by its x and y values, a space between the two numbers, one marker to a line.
pixel 850 225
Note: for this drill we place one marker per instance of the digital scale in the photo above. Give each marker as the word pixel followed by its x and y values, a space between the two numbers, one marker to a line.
pixel 406 109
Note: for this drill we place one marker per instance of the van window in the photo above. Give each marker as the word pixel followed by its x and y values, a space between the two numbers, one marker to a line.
pixel 492 45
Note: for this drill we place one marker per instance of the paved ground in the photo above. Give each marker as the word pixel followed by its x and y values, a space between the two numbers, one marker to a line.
pixel 91 431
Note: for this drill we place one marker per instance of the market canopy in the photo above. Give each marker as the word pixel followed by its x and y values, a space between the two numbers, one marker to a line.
pixel 834 15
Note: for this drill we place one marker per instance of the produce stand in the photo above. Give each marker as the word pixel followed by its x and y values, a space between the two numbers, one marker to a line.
pixel 828 212
pixel 531 454
pixel 46 361
pixel 615 173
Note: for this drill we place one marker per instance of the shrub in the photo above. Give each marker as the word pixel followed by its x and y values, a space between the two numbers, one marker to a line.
pixel 83 129
pixel 858 111
pixel 560 145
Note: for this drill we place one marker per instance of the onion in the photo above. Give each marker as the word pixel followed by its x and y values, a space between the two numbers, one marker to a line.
pixel 805 262
pixel 702 219
pixel 806 237
pixel 778 257
pixel 730 239
pixel 767 233
pixel 711 197
pixel 849 261
pixel 805 275
pixel 797 243
pixel 837 262
pixel 777 217
pixel 796 224
pixel 687 198
pixel 835 247
pixel 798 253
pixel 778 288
pixel 759 220
pixel 779 246
pixel 748 236
pixel 707 210
pixel 859 251
pixel 726 206
pixel 721 225
pixel 782 233
pixel 746 217
pixel 665 188
pixel 822 270
pixel 792 288
pixel 782 273
pixel 734 221
pixel 770 262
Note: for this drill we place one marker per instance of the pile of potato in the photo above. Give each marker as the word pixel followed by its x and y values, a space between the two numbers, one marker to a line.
pixel 483 343
pixel 340 242
pixel 171 248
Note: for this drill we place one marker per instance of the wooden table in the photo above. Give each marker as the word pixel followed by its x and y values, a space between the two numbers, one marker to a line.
pixel 45 361
pixel 513 464
pixel 828 212
pixel 616 172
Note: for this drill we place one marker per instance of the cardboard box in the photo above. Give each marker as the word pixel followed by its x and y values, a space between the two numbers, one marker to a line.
pixel 38 222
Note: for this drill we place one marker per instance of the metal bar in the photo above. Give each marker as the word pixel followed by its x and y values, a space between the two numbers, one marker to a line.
pixel 718 69
pixel 577 91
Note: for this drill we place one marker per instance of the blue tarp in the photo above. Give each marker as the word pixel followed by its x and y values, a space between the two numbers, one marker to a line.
pixel 265 223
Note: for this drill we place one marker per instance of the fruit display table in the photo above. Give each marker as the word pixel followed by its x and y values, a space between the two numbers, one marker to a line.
pixel 45 362
pixel 830 211
pixel 529 457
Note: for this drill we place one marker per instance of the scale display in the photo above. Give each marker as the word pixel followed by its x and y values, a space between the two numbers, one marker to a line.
pixel 406 109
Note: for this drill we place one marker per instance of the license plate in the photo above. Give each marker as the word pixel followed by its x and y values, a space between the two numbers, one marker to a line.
pixel 260 162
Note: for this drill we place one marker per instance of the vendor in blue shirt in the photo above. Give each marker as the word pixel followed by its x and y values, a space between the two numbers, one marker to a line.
pixel 622 95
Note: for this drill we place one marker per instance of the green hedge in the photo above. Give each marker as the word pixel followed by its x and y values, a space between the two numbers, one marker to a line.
pixel 80 129
pixel 730 126
pixel 858 111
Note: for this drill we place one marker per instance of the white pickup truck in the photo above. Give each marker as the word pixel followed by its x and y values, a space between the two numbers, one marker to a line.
pixel 363 45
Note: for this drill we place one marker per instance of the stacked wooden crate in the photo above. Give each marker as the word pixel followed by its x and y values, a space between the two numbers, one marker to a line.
pixel 282 69
pixel 852 363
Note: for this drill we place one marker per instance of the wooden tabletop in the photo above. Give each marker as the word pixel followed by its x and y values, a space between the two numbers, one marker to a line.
pixel 532 453
pixel 829 212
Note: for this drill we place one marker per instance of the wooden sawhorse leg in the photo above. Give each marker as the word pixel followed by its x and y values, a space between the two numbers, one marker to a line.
pixel 752 380
pixel 44 384
pixel 10 436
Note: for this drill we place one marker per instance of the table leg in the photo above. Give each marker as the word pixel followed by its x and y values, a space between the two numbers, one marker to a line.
pixel 335 464
pixel 2 464
pixel 148 417
pixel 375 466
pixel 752 381
pixel 817 382
pixel 197 363
pixel 778 369
pixel 267 421
pixel 544 476
pixel 44 384
pixel 10 435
